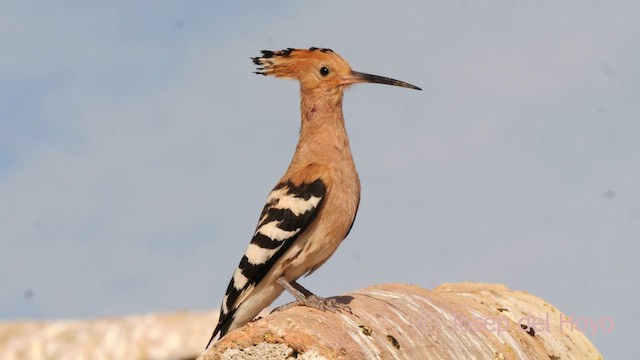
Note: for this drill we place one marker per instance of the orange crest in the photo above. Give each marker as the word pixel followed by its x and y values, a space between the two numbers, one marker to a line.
pixel 316 68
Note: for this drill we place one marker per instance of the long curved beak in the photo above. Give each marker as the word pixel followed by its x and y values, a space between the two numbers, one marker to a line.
pixel 358 77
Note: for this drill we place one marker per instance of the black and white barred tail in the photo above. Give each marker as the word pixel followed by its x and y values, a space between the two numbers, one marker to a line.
pixel 290 209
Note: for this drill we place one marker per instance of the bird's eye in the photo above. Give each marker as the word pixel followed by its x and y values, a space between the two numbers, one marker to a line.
pixel 324 71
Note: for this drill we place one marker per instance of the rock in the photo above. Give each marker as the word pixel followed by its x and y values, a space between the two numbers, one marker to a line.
pixel 390 321
pixel 394 321
pixel 181 335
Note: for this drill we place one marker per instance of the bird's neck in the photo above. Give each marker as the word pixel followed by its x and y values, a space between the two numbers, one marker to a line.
pixel 323 137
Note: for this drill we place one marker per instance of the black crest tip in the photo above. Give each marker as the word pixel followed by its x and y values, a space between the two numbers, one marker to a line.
pixel 267 53
pixel 324 50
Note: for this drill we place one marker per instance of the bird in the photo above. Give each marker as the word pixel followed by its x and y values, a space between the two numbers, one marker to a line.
pixel 312 208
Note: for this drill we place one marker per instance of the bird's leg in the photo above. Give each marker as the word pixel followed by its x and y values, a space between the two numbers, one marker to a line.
pixel 307 298
pixel 297 290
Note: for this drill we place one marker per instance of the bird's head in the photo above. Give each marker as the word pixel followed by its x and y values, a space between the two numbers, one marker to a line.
pixel 317 69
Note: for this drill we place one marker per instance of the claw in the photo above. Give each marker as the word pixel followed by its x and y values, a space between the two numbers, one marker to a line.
pixel 325 304
pixel 317 302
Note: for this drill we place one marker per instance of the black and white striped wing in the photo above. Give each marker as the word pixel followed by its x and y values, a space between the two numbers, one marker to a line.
pixel 290 209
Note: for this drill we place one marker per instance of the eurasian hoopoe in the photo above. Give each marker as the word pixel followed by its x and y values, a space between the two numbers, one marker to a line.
pixel 312 208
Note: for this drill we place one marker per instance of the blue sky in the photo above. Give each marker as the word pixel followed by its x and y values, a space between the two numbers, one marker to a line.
pixel 137 149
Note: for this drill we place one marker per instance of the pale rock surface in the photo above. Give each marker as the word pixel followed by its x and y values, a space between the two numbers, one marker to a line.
pixel 181 335
pixel 394 321
pixel 389 321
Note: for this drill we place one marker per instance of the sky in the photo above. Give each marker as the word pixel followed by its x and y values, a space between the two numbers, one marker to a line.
pixel 137 150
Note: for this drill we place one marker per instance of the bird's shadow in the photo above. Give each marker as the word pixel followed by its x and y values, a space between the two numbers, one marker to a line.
pixel 343 299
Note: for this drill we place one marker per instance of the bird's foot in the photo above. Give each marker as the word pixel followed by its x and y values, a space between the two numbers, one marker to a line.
pixel 307 298
pixel 325 304
pixel 317 302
